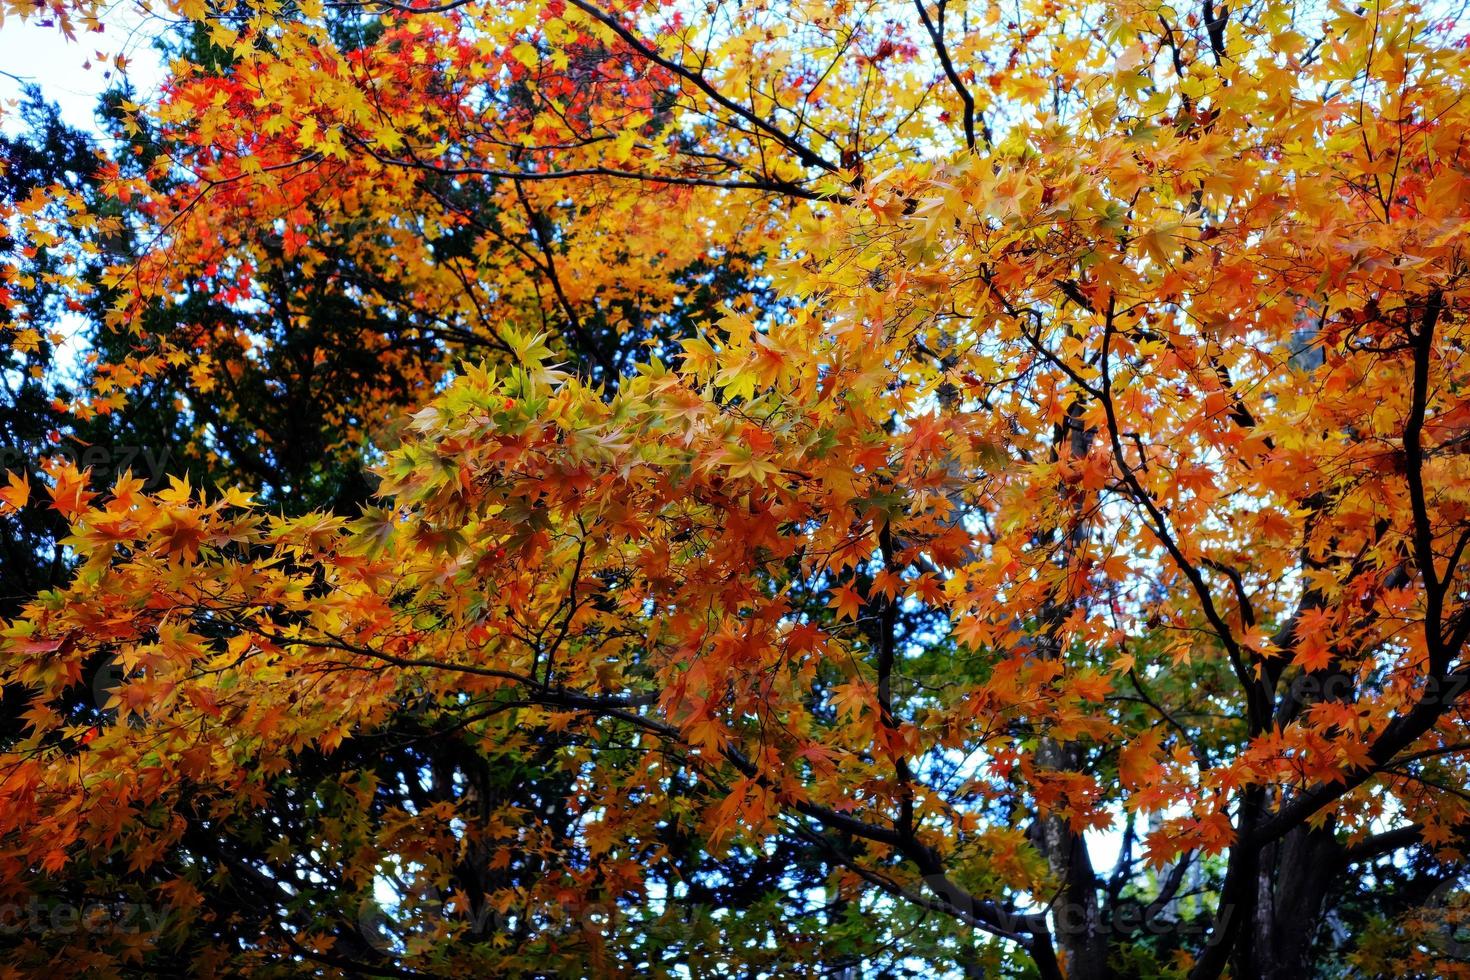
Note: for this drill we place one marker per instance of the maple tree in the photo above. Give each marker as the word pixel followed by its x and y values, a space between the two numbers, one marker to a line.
pixel 882 487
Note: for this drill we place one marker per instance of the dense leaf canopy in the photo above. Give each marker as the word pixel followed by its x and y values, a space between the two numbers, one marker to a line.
pixel 753 488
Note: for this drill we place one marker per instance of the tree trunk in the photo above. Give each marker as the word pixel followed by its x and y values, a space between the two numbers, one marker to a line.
pixel 1295 876
pixel 1081 935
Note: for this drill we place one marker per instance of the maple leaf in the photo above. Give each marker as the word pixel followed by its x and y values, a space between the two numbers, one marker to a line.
pixel 16 492
pixel 1137 761
pixel 1092 685
pixel 69 494
pixel 852 699
pixel 973 632
pixel 846 600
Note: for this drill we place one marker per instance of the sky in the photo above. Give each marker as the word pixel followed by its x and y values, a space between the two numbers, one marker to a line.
pixel 72 73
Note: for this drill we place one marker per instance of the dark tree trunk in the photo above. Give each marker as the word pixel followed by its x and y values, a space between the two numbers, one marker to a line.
pixel 1296 873
pixel 1081 934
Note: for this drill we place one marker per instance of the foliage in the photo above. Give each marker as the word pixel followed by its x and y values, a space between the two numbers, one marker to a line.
pixel 833 463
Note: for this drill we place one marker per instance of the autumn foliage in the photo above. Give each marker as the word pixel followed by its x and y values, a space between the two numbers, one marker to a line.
pixel 960 489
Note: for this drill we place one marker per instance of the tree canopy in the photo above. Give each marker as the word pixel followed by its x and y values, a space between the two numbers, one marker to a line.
pixel 585 488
